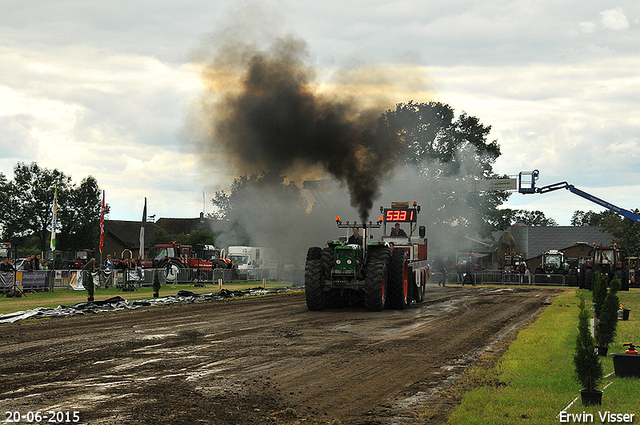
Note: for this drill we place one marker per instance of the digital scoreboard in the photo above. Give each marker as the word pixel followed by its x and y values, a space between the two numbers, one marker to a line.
pixel 405 215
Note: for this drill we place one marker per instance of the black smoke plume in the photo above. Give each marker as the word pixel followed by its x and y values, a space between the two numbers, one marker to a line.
pixel 269 115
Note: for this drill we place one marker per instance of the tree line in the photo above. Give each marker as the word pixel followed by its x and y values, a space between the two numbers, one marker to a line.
pixel 436 145
pixel 26 211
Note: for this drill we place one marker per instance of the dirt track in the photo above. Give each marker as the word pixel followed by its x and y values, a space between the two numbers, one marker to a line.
pixel 255 361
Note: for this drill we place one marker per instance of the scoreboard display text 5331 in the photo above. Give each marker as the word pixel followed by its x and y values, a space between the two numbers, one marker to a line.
pixel 400 215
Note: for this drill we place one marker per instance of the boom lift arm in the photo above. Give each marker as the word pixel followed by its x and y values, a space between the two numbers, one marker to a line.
pixel 527 184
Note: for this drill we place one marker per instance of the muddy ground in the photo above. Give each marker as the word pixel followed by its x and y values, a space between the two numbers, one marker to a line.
pixel 258 360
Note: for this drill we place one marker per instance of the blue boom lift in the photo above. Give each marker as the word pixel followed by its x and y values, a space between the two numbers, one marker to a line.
pixel 527 184
pixel 609 260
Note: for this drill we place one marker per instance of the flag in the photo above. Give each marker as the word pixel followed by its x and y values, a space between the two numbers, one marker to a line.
pixel 102 224
pixel 54 219
pixel 144 222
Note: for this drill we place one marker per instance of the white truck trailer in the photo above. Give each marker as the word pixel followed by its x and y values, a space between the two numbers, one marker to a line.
pixel 252 260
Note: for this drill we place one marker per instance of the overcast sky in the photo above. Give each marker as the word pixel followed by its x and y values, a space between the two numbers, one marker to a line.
pixel 105 88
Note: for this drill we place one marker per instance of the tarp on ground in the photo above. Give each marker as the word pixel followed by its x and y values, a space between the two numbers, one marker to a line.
pixel 119 303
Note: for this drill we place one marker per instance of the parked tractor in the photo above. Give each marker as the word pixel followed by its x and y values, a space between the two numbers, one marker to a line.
pixel 553 267
pixel 387 273
pixel 573 275
pixel 610 261
pixel 173 257
pixel 512 263
pixel 80 258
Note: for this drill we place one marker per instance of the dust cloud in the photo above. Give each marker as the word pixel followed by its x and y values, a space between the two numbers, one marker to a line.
pixel 268 109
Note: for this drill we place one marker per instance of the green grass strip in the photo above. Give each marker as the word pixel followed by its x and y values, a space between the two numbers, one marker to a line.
pixel 69 297
pixel 536 374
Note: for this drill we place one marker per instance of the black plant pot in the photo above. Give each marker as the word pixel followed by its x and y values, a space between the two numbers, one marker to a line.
pixel 90 298
pixel 602 351
pixel 625 313
pixel 591 398
pixel 156 295
pixel 626 364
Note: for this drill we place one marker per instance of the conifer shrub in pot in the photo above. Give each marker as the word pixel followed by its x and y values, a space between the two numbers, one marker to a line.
pixel 599 293
pixel 608 318
pixel 156 284
pixel 588 367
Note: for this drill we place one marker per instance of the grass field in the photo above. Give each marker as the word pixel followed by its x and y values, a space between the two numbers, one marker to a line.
pixel 69 297
pixel 534 381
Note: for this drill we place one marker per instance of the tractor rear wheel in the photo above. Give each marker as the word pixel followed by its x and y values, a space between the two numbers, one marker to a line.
pixel 313 280
pixel 375 285
pixel 573 278
pixel 588 279
pixel 399 292
pixel 623 277
pixel 172 270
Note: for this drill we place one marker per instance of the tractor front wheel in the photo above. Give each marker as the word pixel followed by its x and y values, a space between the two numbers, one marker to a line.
pixel 313 280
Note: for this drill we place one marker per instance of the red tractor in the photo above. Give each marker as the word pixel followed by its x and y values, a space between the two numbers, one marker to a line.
pixel 81 258
pixel 610 261
pixel 174 257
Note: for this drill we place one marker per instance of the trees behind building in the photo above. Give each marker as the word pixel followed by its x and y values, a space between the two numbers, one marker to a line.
pixel 26 208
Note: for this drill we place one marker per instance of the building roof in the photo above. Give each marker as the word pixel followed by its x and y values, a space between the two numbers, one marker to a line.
pixel 544 238
pixel 128 231
pixel 176 226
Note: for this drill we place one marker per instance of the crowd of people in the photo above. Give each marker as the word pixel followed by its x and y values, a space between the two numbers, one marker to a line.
pixel 32 262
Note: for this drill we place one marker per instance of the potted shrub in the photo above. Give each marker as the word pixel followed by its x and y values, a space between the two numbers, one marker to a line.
pixel 587 364
pixel 599 293
pixel 608 318
pixel 156 284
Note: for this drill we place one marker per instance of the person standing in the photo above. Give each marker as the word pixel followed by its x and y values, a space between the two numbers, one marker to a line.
pixel 470 276
pixel 443 271
pixel 460 273
pixel 27 264
pixel 35 262
pixel 108 265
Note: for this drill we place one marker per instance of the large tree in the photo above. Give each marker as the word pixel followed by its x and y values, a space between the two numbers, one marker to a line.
pixel 526 217
pixel 80 227
pixel 27 207
pixel 625 232
pixel 441 147
pixel 590 218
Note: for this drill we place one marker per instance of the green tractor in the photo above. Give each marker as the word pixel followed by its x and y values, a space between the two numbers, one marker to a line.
pixel 373 273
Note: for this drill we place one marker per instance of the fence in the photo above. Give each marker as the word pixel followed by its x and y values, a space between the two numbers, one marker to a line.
pixel 500 277
pixel 49 280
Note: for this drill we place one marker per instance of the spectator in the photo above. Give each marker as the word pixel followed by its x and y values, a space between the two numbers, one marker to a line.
pixel 460 272
pixel 35 262
pixel 470 276
pixel 9 265
pixel 108 265
pixel 27 265
pixel 443 271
